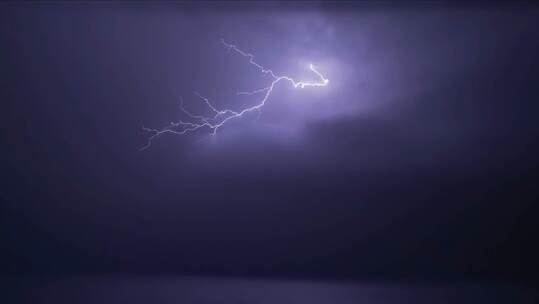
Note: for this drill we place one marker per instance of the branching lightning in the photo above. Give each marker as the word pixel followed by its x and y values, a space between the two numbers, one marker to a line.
pixel 221 117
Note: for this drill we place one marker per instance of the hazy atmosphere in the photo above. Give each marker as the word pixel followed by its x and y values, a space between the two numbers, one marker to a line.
pixel 417 160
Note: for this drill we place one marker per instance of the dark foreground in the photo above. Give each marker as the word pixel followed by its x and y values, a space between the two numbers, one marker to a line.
pixel 153 290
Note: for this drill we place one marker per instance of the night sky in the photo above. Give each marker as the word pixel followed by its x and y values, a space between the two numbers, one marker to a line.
pixel 419 160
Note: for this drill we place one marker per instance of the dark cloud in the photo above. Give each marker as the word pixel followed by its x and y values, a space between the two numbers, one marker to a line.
pixel 419 158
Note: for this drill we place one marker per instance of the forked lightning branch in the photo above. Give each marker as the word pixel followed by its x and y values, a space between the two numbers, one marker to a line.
pixel 220 117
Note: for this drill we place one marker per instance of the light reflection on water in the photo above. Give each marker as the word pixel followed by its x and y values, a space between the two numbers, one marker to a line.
pixel 153 290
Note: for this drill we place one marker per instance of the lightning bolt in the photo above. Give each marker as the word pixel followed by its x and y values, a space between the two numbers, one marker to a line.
pixel 221 117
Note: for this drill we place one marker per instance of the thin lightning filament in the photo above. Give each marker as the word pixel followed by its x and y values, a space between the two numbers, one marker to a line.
pixel 221 117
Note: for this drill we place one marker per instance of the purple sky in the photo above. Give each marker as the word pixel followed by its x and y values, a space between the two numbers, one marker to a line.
pixel 426 132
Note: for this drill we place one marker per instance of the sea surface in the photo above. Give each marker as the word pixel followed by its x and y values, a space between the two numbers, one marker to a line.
pixel 181 290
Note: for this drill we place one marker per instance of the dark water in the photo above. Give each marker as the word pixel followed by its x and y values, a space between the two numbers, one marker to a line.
pixel 153 290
